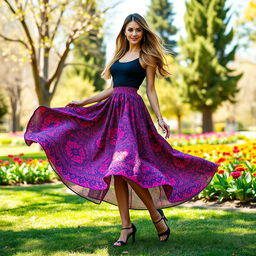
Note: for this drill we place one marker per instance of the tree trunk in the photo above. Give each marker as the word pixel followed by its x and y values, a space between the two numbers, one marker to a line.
pixel 207 122
pixel 179 123
pixel 15 122
pixel 44 101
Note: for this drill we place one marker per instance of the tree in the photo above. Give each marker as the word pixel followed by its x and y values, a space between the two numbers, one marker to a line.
pixel 160 16
pixel 207 79
pixel 72 88
pixel 248 22
pixel 171 102
pixel 3 107
pixel 90 51
pixel 49 29
pixel 14 90
pixel 12 83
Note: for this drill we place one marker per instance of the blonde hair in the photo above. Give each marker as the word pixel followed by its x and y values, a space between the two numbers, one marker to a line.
pixel 151 46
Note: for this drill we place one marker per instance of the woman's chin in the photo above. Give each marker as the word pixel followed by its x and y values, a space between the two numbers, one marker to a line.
pixel 134 42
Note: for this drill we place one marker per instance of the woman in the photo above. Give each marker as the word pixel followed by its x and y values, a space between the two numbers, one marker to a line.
pixel 111 151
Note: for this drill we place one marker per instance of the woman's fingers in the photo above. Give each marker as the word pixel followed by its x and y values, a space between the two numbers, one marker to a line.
pixel 73 104
pixel 166 129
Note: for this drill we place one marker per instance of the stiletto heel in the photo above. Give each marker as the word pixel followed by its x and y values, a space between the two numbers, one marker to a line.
pixel 134 229
pixel 167 232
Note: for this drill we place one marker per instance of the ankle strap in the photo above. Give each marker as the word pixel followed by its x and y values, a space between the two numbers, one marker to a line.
pixel 155 222
pixel 128 228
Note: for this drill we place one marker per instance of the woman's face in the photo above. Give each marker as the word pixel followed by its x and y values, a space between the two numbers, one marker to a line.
pixel 133 32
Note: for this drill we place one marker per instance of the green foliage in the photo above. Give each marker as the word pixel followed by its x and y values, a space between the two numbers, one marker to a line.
pixel 248 23
pixel 90 51
pixel 72 88
pixel 207 79
pixel 30 172
pixel 224 186
pixel 160 17
pixel 170 100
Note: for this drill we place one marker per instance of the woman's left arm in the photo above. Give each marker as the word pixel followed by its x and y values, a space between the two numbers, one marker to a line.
pixel 153 99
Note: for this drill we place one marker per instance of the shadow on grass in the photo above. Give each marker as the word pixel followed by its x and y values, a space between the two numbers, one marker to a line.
pixel 199 232
pixel 188 237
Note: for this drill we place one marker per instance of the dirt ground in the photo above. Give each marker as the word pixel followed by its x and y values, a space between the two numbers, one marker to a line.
pixel 215 204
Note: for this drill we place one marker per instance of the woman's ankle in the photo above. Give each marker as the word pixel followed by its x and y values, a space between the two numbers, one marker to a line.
pixel 126 224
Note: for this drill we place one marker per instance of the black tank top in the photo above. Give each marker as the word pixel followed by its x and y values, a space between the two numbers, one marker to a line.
pixel 129 73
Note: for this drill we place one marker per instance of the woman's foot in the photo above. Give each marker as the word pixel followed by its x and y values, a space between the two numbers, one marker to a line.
pixel 161 226
pixel 125 234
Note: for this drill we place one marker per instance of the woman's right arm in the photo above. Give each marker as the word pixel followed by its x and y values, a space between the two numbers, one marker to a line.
pixel 97 97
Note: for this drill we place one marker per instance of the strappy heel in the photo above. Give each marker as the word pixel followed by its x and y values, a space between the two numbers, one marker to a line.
pixel 134 229
pixel 165 233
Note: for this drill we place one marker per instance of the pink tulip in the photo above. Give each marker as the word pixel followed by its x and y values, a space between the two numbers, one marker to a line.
pixel 235 175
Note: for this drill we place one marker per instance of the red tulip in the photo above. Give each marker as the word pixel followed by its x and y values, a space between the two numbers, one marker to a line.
pixel 235 149
pixel 240 169
pixel 16 159
pixel 10 155
pixel 221 160
pixel 221 171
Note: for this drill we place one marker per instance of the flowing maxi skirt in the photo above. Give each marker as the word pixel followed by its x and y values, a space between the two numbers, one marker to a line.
pixel 86 146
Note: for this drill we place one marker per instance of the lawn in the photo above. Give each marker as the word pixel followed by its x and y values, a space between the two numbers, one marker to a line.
pixel 46 220
pixel 17 149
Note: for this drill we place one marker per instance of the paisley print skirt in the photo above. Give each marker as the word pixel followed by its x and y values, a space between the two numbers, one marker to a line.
pixel 86 146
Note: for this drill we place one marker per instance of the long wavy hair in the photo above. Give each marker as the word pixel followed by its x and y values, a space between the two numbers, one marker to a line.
pixel 151 46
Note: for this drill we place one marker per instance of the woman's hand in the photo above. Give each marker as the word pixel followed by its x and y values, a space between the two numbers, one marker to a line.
pixel 165 127
pixel 75 103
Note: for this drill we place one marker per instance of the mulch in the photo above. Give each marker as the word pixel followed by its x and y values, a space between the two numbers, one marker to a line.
pixel 236 205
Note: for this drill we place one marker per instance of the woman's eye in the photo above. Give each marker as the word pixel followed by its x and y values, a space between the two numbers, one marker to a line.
pixel 139 30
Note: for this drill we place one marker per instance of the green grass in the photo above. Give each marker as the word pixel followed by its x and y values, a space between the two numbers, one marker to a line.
pixel 46 220
pixel 39 155
pixel 17 149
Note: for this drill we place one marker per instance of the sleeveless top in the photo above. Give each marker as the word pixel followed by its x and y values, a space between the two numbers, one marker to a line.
pixel 129 73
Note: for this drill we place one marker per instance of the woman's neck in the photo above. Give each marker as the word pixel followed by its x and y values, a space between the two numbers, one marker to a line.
pixel 134 48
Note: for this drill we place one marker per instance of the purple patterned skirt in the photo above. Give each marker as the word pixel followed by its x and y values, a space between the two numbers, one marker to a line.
pixel 86 146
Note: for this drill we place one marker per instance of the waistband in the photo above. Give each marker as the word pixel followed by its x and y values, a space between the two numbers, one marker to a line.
pixel 125 89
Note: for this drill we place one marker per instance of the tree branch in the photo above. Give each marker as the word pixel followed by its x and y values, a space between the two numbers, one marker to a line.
pixel 82 64
pixel 111 7
pixel 14 40
pixel 36 21
pixel 58 22
pixel 57 72
pixel 10 6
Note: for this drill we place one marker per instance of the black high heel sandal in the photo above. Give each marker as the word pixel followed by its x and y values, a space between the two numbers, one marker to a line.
pixel 167 232
pixel 134 229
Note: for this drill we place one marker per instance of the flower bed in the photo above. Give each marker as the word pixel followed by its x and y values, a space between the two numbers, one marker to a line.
pixel 236 176
pixel 211 138
pixel 30 171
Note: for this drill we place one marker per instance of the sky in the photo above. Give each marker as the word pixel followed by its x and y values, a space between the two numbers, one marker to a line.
pixel 116 16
